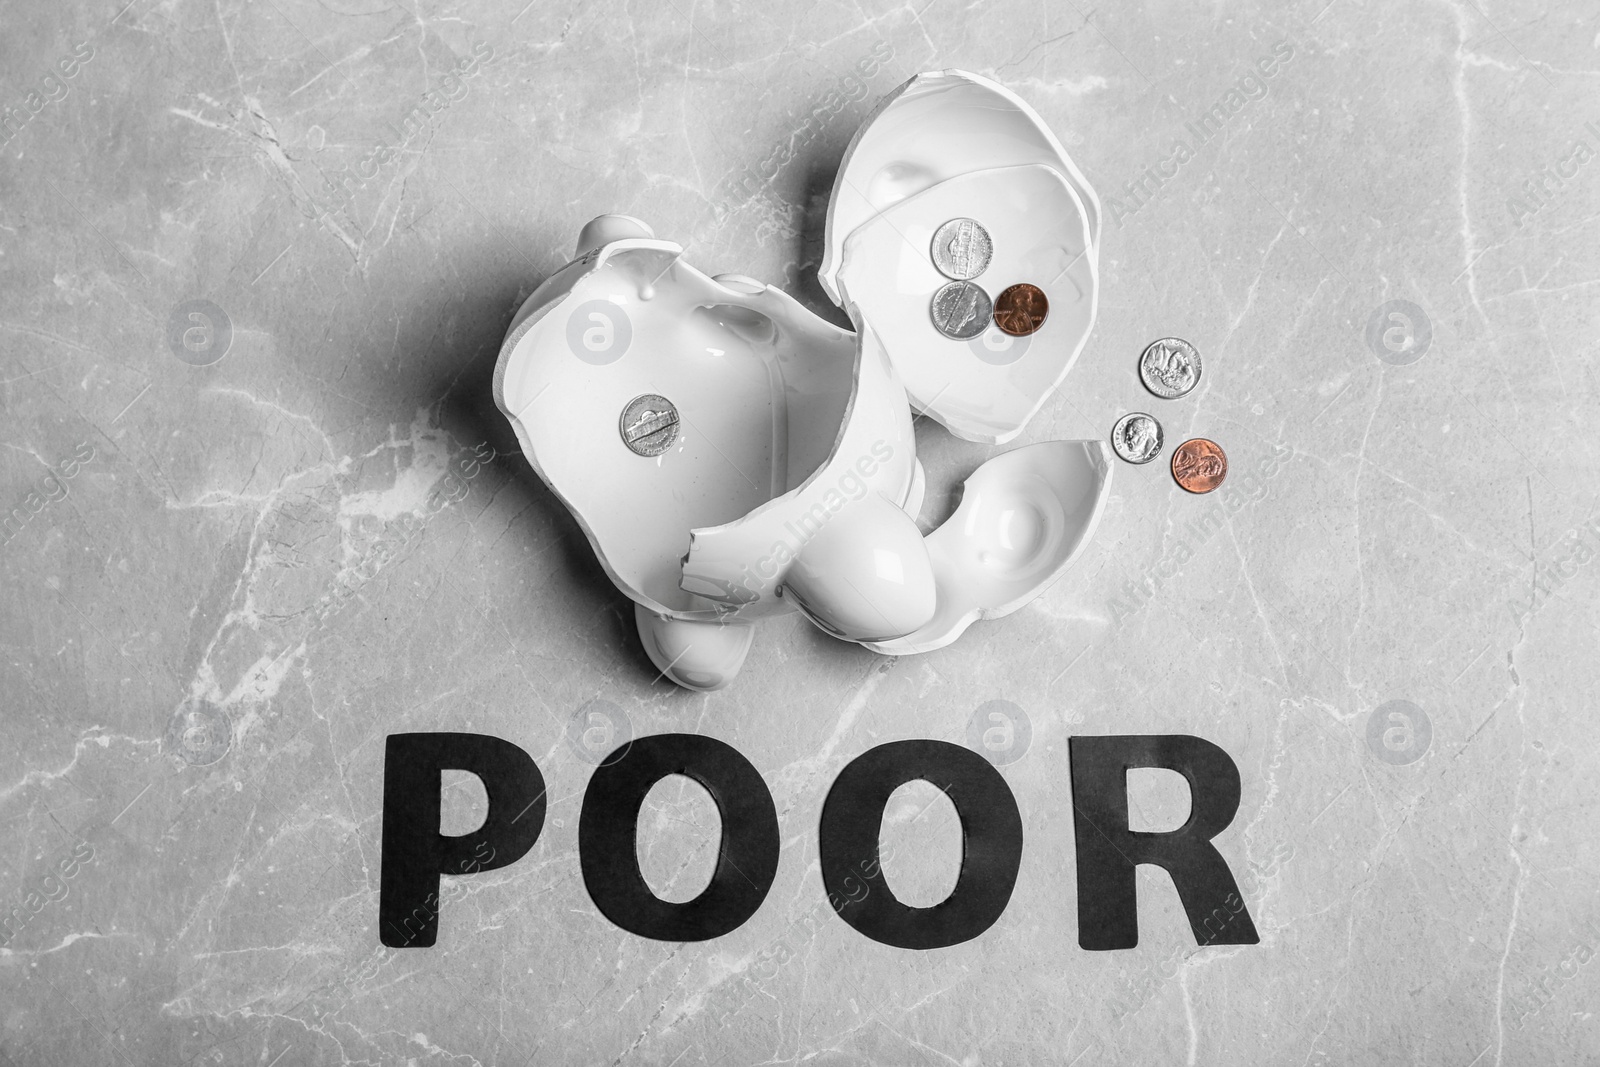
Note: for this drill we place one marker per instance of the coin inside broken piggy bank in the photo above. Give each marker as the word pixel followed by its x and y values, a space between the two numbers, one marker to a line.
pixel 953 197
pixel 729 455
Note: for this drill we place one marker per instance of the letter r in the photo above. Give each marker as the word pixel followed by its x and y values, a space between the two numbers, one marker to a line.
pixel 1108 851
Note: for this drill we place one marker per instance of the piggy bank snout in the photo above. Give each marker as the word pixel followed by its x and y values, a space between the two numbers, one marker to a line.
pixel 865 575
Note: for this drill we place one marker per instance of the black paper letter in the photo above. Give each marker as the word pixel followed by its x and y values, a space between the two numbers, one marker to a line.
pixel 415 853
pixel 747 858
pixel 991 839
pixel 1108 906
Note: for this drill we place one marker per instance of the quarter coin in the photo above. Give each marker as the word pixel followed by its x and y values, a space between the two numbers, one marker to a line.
pixel 1170 367
pixel 1137 437
pixel 1199 465
pixel 649 424
pixel 1021 309
pixel 962 249
pixel 960 310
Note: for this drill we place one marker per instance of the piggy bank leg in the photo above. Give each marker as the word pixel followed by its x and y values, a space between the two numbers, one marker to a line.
pixel 703 656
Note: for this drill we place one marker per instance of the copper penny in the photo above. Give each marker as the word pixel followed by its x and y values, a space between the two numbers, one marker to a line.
pixel 1199 465
pixel 1021 309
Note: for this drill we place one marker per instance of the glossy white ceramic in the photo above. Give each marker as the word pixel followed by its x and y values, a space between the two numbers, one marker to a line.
pixel 731 456
pixel 742 563
pixel 1023 518
pixel 889 196
pixel 936 126
pixel 866 575
pixel 704 656
pixel 986 388
pixel 759 385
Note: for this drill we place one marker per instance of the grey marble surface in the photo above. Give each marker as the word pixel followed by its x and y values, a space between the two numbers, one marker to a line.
pixel 224 585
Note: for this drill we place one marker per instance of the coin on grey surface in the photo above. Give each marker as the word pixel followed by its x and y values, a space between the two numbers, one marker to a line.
pixel 649 424
pixel 961 310
pixel 1137 437
pixel 1170 367
pixel 962 249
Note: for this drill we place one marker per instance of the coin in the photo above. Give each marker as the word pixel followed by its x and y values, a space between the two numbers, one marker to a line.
pixel 1170 367
pixel 1021 309
pixel 962 249
pixel 1199 465
pixel 1137 437
pixel 649 424
pixel 960 310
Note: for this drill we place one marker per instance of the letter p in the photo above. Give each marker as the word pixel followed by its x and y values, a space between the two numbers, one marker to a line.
pixel 415 853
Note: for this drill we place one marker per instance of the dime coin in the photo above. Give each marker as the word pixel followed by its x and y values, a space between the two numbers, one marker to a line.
pixel 1199 465
pixel 1021 309
pixel 1137 437
pixel 1170 367
pixel 960 310
pixel 649 424
pixel 962 249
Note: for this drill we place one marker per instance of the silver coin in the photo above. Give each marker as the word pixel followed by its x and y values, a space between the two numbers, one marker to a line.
pixel 1137 437
pixel 961 310
pixel 962 249
pixel 1170 367
pixel 649 424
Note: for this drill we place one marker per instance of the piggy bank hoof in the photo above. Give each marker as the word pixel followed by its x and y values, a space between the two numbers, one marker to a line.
pixel 703 656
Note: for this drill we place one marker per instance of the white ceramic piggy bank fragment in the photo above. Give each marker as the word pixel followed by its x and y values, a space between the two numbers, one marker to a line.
pixel 732 456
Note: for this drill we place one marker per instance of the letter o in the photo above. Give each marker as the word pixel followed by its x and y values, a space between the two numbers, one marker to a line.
pixel 608 831
pixel 991 834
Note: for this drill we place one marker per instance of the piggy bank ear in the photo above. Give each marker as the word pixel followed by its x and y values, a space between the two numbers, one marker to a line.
pixel 603 229
pixel 865 575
